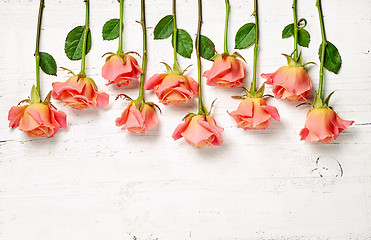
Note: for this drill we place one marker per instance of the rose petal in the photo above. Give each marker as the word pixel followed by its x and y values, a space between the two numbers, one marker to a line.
pixel 15 115
pixel 154 80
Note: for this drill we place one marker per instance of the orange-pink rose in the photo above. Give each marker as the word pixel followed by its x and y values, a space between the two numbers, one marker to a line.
pixel 37 119
pixel 115 71
pixel 79 93
pixel 323 125
pixel 254 113
pixel 227 71
pixel 290 82
pixel 199 131
pixel 137 120
pixel 172 88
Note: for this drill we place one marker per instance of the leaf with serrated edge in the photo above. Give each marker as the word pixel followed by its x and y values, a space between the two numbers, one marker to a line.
pixel 303 38
pixel 207 47
pixel 48 64
pixel 111 29
pixel 288 31
pixel 164 28
pixel 332 57
pixel 245 36
pixel 73 44
pixel 184 43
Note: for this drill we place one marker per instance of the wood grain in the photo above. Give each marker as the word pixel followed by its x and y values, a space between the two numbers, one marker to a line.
pixel 94 181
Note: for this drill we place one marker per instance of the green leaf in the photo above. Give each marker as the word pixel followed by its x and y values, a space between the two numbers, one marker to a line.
pixel 35 96
pixel 73 44
pixel 206 47
pixel 245 36
pixel 184 43
pixel 164 28
pixel 288 31
pixel 111 29
pixel 332 57
pixel 48 64
pixel 303 38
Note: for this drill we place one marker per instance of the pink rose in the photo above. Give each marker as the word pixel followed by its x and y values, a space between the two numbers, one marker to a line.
pixel 172 88
pixel 290 82
pixel 323 125
pixel 79 93
pixel 115 71
pixel 37 119
pixel 227 71
pixel 199 131
pixel 136 120
pixel 254 113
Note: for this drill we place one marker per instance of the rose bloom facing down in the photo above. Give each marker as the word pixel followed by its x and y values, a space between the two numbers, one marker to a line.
pixel 199 131
pixel 37 119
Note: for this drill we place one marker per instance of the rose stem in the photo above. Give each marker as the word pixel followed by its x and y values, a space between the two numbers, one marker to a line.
pixel 256 48
pixel 84 41
pixel 121 27
pixel 144 59
pixel 324 43
pixel 176 67
pixel 201 107
pixel 37 52
pixel 227 10
pixel 296 53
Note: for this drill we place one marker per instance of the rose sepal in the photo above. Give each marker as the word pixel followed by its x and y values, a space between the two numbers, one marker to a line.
pixel 35 96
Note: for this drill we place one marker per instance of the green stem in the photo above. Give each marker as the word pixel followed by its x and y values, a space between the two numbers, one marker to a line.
pixel 324 43
pixel 37 51
pixel 175 40
pixel 296 53
pixel 144 60
pixel 85 37
pixel 227 10
pixel 201 107
pixel 256 48
pixel 121 27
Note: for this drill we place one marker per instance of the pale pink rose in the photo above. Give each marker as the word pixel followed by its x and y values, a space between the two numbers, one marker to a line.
pixel 226 71
pixel 323 125
pixel 290 82
pixel 119 73
pixel 79 93
pixel 172 88
pixel 199 131
pixel 254 113
pixel 137 121
pixel 37 119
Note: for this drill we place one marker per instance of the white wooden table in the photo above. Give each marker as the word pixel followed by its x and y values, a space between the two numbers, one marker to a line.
pixel 94 181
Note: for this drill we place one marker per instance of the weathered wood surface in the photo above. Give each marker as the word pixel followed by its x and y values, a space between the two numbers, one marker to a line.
pixel 94 181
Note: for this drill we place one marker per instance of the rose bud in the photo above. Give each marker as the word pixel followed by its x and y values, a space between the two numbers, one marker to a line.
pixel 172 88
pixel 290 82
pixel 199 131
pixel 138 117
pixel 37 119
pixel 79 93
pixel 323 125
pixel 254 113
pixel 121 69
pixel 227 71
